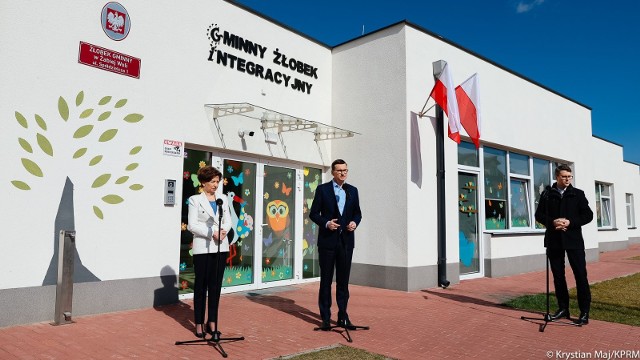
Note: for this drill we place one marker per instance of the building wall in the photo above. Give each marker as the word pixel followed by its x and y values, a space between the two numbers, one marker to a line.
pixel 368 96
pixel 609 168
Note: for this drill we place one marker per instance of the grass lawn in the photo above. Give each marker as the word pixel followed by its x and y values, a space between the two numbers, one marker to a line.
pixel 614 300
pixel 338 352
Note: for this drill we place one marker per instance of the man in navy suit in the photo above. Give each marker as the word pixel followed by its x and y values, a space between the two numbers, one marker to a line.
pixel 336 211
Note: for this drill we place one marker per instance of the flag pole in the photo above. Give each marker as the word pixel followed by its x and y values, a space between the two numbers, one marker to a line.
pixel 423 111
pixel 438 67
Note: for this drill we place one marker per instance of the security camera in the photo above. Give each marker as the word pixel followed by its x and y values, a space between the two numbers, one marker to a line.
pixel 241 133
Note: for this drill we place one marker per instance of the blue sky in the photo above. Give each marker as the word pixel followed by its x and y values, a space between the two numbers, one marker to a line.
pixel 586 50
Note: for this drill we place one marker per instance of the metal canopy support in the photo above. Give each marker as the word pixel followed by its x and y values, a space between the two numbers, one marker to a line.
pixel 285 123
pixel 330 134
pixel 231 109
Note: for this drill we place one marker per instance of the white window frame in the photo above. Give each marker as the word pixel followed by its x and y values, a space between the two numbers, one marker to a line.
pixel 526 179
pixel 631 214
pixel 608 209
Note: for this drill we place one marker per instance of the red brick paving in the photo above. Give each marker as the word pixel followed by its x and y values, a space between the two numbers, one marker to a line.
pixel 463 321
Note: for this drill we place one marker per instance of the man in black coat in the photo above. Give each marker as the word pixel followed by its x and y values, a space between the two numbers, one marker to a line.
pixel 336 211
pixel 563 210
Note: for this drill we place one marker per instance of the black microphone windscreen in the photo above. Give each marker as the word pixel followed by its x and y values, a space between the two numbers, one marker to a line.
pixel 219 202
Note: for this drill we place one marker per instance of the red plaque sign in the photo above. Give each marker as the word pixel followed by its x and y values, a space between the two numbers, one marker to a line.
pixel 109 60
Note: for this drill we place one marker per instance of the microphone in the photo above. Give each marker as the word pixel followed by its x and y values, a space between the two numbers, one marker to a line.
pixel 219 203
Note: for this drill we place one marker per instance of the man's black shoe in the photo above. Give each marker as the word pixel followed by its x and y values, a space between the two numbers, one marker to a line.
pixel 345 323
pixel 560 314
pixel 326 325
pixel 583 319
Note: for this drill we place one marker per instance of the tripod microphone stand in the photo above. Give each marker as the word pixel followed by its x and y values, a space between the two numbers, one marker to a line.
pixel 216 335
pixel 546 318
pixel 343 324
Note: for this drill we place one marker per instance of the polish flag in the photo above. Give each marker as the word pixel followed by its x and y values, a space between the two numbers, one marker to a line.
pixel 444 94
pixel 469 103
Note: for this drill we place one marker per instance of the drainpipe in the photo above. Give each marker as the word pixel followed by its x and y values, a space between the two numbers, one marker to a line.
pixel 438 66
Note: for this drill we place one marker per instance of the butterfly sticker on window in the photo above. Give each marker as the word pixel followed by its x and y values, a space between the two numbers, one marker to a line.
pixel 195 180
pixel 268 240
pixel 286 190
pixel 313 185
pixel 238 180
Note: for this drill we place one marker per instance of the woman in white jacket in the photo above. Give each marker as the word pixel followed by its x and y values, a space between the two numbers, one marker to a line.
pixel 210 246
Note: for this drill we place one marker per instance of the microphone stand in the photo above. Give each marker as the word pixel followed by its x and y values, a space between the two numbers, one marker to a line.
pixel 546 318
pixel 216 336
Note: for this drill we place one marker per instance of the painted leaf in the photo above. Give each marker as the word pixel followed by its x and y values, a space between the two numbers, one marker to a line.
pixel 63 108
pixel 135 150
pixel 79 98
pixel 101 180
pixel 21 185
pixel 104 100
pixel 122 180
pixel 85 114
pixel 133 118
pixel 44 144
pixel 40 121
pixel 95 160
pixel 136 187
pixel 104 116
pixel 98 212
pixel 25 145
pixel 32 167
pixel 22 120
pixel 112 199
pixel 120 103
pixel 79 153
pixel 82 131
pixel 132 166
pixel 108 135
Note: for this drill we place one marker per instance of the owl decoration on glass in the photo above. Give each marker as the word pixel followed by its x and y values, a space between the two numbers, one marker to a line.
pixel 278 216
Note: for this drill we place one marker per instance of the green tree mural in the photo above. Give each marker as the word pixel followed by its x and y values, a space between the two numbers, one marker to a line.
pixel 83 119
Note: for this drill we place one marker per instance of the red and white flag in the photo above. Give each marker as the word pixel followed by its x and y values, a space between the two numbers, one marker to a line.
pixel 469 103
pixel 444 94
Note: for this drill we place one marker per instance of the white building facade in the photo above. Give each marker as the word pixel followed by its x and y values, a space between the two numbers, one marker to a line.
pixel 109 115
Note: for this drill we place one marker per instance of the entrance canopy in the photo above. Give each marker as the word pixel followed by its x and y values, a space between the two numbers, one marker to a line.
pixel 273 120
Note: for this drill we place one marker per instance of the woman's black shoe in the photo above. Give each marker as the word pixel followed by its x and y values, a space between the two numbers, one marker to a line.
pixel 199 334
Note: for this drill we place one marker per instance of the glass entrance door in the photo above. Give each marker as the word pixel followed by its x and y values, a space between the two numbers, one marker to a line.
pixel 239 187
pixel 278 225
pixel 469 239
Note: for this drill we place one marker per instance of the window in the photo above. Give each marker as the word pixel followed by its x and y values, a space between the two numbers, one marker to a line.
pixel 495 191
pixel 520 214
pixel 604 215
pixel 519 205
pixel 631 217
pixel 467 154
pixel 541 179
